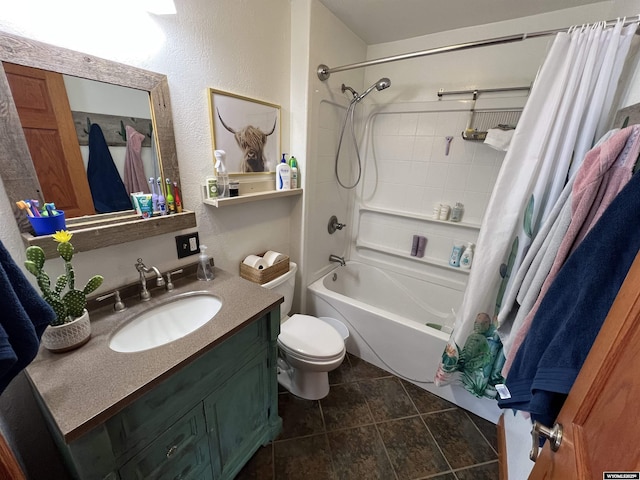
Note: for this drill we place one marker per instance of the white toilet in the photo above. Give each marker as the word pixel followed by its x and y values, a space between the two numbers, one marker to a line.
pixel 309 347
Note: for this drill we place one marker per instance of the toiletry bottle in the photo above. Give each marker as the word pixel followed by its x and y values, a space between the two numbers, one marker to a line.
pixel 456 253
pixel 223 177
pixel 204 267
pixel 171 203
pixel 293 164
pixel 467 256
pixel 444 212
pixel 283 175
pixel 456 212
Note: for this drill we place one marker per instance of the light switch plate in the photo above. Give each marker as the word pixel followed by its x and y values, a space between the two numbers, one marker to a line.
pixel 188 244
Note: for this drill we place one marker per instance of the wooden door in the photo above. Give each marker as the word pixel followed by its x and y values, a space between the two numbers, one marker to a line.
pixel 45 115
pixel 600 419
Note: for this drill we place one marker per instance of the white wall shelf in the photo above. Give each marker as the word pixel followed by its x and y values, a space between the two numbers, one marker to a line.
pixel 415 216
pixel 398 253
pixel 252 197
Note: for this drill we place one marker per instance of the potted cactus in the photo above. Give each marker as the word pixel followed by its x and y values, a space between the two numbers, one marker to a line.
pixel 71 328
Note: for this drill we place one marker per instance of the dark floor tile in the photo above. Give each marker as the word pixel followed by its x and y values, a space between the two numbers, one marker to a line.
pixel 307 458
pixel 299 417
pixel 458 438
pixel 361 369
pixel 344 407
pixel 411 449
pixel 387 399
pixel 358 453
pixel 489 471
pixel 446 476
pixel 260 467
pixel 342 374
pixel 488 429
pixel 426 402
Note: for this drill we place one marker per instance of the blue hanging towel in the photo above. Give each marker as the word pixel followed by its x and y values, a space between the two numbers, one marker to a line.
pixel 25 316
pixel 574 309
pixel 107 188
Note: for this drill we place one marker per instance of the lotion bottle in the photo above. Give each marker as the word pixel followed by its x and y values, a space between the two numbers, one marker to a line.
pixel 204 267
pixel 283 175
pixel 467 256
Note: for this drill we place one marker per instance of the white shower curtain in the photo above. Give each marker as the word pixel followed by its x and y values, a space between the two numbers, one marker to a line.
pixel 573 91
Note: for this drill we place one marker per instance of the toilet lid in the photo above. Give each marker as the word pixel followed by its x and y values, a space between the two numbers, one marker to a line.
pixel 309 337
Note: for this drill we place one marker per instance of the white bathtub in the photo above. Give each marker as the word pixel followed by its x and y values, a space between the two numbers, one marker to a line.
pixel 386 313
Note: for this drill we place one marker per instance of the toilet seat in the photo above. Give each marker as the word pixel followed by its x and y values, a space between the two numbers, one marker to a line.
pixel 308 338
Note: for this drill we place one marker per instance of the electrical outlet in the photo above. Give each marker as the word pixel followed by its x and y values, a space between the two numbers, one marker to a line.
pixel 188 244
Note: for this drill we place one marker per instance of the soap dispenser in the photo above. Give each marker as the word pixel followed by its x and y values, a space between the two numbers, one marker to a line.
pixel 204 267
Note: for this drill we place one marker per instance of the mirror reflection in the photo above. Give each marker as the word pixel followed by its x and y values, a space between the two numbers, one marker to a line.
pixel 92 143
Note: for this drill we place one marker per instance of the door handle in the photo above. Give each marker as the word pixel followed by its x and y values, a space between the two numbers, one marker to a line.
pixel 554 435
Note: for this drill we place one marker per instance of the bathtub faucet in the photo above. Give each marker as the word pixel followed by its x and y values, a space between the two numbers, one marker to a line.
pixel 337 259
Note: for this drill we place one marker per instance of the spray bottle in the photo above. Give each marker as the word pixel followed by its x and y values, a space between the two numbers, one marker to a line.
pixel 204 267
pixel 223 177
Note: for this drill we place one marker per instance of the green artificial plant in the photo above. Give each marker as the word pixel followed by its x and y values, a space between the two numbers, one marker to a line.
pixel 67 302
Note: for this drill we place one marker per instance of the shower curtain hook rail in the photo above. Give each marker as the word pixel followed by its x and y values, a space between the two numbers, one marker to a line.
pixel 324 72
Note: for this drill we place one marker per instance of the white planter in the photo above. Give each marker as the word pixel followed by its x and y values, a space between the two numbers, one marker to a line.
pixel 63 338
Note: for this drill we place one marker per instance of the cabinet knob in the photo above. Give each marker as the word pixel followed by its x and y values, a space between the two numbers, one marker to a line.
pixel 554 435
pixel 171 451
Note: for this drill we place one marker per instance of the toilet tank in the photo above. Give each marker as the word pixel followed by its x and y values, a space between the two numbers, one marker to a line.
pixel 284 285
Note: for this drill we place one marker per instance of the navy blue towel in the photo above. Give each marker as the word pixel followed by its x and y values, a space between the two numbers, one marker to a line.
pixel 574 309
pixel 107 189
pixel 25 316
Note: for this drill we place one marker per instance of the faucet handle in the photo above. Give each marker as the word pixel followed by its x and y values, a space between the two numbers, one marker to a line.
pixel 119 305
pixel 169 282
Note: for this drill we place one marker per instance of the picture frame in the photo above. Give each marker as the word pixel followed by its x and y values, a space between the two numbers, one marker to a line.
pixel 247 129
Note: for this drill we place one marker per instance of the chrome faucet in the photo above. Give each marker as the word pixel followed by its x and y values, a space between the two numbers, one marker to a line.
pixel 337 259
pixel 142 270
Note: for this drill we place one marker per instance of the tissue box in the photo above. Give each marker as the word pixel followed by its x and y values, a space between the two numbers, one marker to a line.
pixel 266 274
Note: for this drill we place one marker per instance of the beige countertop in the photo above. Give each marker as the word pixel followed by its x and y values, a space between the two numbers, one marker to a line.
pixel 85 387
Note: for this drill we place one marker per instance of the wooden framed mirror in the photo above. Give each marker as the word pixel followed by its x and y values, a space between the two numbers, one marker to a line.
pixel 17 169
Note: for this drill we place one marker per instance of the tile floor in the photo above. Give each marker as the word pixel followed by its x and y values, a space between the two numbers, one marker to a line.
pixel 373 425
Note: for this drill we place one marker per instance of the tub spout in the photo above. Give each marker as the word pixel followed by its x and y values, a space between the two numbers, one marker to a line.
pixel 337 259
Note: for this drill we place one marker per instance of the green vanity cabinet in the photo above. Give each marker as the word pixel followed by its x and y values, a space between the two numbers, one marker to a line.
pixel 205 421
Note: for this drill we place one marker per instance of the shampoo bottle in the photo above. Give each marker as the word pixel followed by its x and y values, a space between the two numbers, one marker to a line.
pixel 204 267
pixel 293 164
pixel 283 175
pixel 467 256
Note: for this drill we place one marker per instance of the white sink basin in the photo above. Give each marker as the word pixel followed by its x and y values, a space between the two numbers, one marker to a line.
pixel 165 323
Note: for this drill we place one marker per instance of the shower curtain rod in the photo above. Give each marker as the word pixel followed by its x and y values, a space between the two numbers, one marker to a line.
pixel 324 72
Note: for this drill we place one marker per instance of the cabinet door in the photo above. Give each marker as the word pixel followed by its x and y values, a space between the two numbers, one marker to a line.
pixel 177 453
pixel 237 417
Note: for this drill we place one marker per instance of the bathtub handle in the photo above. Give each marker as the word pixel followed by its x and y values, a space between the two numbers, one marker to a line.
pixel 334 225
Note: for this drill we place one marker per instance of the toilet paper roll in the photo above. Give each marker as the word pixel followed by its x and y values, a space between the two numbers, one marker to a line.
pixel 272 257
pixel 254 261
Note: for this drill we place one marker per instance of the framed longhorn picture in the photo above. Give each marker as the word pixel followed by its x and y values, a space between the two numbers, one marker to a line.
pixel 248 130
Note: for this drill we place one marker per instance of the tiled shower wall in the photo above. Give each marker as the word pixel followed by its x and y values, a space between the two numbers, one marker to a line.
pixel 408 169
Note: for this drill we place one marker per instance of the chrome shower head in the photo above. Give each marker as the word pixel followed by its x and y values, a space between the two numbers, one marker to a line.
pixel 379 85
